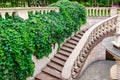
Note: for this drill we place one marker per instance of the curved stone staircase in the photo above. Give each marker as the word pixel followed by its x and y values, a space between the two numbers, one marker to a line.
pixel 68 62
pixel 53 69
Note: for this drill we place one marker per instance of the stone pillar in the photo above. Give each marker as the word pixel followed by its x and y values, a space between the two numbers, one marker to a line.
pixel 23 14
pixel 3 15
pixel 113 11
pixel 116 42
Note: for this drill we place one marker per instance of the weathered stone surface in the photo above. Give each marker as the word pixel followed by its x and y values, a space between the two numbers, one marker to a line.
pixel 98 71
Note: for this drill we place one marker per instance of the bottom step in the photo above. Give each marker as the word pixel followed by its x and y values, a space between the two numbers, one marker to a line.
pixel 44 76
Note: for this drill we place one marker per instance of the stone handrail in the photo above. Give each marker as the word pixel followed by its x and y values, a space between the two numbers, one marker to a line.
pixel 23 12
pixel 78 56
pixel 101 11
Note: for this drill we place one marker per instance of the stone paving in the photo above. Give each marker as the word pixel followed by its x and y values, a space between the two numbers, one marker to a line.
pixel 91 22
pixel 98 71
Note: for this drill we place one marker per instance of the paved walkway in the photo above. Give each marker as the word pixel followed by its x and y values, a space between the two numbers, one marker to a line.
pixel 98 71
pixel 91 22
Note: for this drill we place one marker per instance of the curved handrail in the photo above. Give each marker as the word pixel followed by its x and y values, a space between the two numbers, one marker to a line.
pixel 88 38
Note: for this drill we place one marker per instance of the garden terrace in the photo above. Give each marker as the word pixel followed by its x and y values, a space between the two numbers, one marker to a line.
pixel 69 61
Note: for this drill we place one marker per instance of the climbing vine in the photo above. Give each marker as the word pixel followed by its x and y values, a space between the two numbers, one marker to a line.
pixel 20 39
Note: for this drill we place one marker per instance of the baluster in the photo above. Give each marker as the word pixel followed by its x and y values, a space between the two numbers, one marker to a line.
pixel 102 28
pixel 107 12
pixel 84 54
pixel 73 71
pixel 3 15
pixel 79 62
pixel 101 31
pixel 93 12
pixel 42 11
pixel 112 27
pixel 86 50
pixel 104 12
pixel 33 12
pixel 90 12
pixel 87 12
pixel 94 37
pixel 96 12
pixel 46 11
pixel 76 64
pixel 10 13
pixel 100 12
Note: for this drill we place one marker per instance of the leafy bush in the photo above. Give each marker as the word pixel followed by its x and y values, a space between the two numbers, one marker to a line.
pixel 20 39
pixel 73 12
pixel 15 61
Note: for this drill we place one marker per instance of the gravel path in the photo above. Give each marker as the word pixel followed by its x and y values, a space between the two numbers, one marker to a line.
pixel 98 71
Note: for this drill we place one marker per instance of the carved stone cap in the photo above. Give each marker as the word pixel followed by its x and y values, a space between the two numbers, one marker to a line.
pixel 116 44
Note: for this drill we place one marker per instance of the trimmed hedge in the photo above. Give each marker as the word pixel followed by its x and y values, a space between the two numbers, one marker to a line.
pixel 20 39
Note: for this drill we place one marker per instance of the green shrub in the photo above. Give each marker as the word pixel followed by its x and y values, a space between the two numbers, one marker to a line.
pixel 73 13
pixel 15 61
pixel 20 39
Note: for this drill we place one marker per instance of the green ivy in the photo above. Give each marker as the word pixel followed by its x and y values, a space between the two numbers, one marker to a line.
pixel 15 61
pixel 20 39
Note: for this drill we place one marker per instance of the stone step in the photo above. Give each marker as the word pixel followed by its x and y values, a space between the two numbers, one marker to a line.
pixel 69 45
pixel 81 33
pixel 58 61
pixel 44 76
pixel 65 53
pixel 62 57
pixel 66 49
pixel 55 66
pixel 52 72
pixel 75 38
pixel 72 42
pixel 77 35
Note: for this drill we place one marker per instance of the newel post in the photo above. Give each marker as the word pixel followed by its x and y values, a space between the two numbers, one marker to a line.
pixel 116 42
pixel 113 11
pixel 23 14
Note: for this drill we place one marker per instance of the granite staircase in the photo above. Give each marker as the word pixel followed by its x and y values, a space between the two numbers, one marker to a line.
pixel 53 69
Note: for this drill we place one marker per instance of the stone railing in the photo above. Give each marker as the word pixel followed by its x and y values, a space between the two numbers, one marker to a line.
pixel 77 58
pixel 118 11
pixel 23 12
pixel 101 11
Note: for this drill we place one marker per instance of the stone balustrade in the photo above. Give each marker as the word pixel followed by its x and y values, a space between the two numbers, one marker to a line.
pixel 101 11
pixel 23 12
pixel 77 58
pixel 91 11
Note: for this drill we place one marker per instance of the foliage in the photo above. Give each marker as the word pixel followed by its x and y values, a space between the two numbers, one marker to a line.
pixel 15 61
pixel 73 13
pixel 20 39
